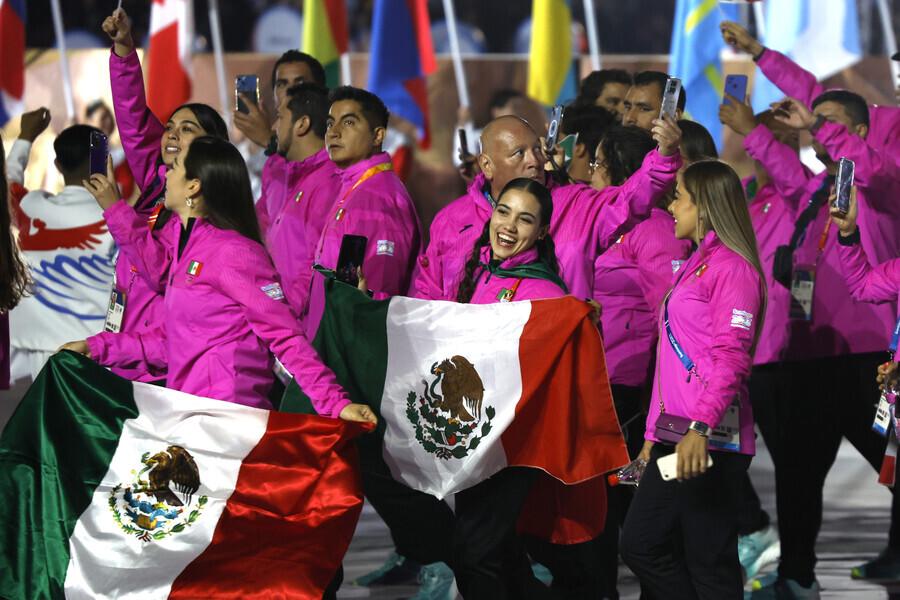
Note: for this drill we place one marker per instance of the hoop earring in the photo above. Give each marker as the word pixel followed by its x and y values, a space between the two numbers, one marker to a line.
pixel 189 202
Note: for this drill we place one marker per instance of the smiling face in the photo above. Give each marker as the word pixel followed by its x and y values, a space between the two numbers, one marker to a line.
pixel 685 212
pixel 515 224
pixel 181 129
pixel 349 138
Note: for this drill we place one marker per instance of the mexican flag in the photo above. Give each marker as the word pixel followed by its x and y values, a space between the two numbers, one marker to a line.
pixel 464 390
pixel 116 489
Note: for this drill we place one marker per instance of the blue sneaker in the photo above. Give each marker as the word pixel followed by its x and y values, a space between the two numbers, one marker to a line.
pixel 542 573
pixel 783 589
pixel 757 550
pixel 396 570
pixel 437 583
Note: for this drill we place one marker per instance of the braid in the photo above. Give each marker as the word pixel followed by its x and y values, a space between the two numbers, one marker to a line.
pixel 467 285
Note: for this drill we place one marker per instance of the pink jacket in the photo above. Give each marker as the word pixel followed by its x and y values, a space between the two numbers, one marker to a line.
pixel 879 284
pixel 381 210
pixel 630 280
pixel 585 223
pixel 295 202
pixel 713 312
pixel 793 80
pixel 773 210
pixel 141 134
pixel 224 312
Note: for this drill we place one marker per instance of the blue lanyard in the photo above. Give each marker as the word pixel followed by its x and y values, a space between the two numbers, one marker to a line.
pixel 679 351
pixel 895 339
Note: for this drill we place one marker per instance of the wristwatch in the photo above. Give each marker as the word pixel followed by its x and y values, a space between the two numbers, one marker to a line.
pixel 700 427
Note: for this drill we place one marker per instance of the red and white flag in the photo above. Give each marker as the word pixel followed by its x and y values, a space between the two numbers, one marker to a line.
pixel 169 71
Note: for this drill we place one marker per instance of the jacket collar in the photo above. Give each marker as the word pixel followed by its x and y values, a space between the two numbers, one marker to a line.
pixel 309 164
pixel 353 172
pixel 522 258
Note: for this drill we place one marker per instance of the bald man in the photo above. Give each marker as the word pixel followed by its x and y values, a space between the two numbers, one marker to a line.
pixel 585 221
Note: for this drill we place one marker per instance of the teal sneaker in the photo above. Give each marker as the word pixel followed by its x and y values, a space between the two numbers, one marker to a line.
pixel 437 583
pixel 757 550
pixel 542 573
pixel 396 570
pixel 783 589
pixel 886 567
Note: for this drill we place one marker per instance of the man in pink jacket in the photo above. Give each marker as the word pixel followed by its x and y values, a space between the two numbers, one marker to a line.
pixel 300 183
pixel 835 343
pixel 585 223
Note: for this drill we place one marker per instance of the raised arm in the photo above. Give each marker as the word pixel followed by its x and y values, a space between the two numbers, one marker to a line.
pixel 140 131
pixel 781 162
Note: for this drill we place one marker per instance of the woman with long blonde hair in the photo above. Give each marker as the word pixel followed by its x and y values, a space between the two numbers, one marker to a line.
pixel 680 538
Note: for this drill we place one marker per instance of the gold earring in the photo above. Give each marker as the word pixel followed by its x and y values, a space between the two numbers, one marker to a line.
pixel 189 202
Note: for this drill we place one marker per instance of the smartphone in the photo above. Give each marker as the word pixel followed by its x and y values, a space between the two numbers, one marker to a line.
pixel 670 98
pixel 99 152
pixel 735 85
pixel 248 85
pixel 350 258
pixel 842 184
pixel 463 142
pixel 667 465
pixel 553 130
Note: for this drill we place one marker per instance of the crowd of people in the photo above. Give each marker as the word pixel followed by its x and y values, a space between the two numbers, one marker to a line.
pixel 725 305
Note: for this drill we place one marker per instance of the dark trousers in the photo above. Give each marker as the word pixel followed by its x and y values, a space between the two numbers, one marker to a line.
pixel 768 391
pixel 680 538
pixel 830 399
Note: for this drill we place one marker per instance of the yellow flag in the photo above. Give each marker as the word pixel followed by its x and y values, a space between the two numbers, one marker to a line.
pixel 550 60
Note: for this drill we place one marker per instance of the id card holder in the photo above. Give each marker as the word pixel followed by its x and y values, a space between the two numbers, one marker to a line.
pixel 115 311
pixel 882 422
pixel 727 436
pixel 281 372
pixel 803 283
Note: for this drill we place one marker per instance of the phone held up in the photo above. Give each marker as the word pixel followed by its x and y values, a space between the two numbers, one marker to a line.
pixel 842 184
pixel 736 87
pixel 99 152
pixel 245 85
pixel 350 258
pixel 670 98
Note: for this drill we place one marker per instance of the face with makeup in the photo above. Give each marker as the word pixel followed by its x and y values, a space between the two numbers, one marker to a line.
pixel 515 224
pixel 179 189
pixel 181 129
pixel 687 216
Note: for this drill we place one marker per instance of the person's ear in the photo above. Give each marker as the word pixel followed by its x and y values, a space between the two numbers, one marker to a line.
pixel 378 139
pixel 580 151
pixel 302 126
pixel 862 130
pixel 193 188
pixel 487 166
pixel 544 231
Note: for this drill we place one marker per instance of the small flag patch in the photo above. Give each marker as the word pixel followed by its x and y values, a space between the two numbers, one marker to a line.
pixel 194 268
pixel 385 248
pixel 273 291
pixel 676 265
pixel 741 319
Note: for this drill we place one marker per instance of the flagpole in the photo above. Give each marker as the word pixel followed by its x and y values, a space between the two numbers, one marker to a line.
pixel 345 69
pixel 219 55
pixel 63 60
pixel 890 40
pixel 462 88
pixel 590 20
pixel 760 17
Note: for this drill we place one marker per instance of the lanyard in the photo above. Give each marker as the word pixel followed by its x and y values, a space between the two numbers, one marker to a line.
pixel 339 214
pixel 895 340
pixel 673 341
pixel 823 239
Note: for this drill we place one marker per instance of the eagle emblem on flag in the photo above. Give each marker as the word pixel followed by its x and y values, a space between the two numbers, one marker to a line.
pixel 161 505
pixel 449 423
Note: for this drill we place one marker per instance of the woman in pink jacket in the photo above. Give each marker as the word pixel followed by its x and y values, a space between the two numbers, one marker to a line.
pixel 224 310
pixel 150 148
pixel 680 538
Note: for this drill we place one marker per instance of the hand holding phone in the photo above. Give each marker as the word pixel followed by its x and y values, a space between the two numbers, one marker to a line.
pixel 247 86
pixel 99 152
pixel 553 129
pixel 736 87
pixel 668 465
pixel 842 184
pixel 670 98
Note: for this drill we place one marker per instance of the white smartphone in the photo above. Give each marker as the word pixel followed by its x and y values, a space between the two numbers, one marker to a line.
pixel 668 464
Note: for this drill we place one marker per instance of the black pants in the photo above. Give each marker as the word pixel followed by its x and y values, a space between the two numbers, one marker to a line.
pixel 830 399
pixel 680 538
pixel 590 570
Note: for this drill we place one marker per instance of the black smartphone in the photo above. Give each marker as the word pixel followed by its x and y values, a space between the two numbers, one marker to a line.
pixel 553 129
pixel 463 142
pixel 247 85
pixel 670 98
pixel 350 258
pixel 842 184
pixel 736 86
pixel 99 152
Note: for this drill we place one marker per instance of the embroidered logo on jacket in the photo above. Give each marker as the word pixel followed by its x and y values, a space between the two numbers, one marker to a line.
pixel 194 268
pixel 741 319
pixel 676 265
pixel 273 291
pixel 385 248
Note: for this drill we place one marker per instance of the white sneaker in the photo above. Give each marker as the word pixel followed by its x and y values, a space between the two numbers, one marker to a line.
pixel 758 549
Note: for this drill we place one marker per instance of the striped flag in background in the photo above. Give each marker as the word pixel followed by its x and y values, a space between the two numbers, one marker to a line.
pixel 169 70
pixel 12 58
pixel 325 35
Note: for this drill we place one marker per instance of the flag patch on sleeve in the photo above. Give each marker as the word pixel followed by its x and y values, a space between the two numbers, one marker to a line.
pixel 741 319
pixel 273 291
pixel 194 268
pixel 385 248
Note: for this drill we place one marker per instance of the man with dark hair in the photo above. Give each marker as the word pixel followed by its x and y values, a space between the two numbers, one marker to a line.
pixel 291 68
pixel 835 343
pixel 643 101
pixel 605 88
pixel 299 184
pixel 55 232
pixel 588 123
